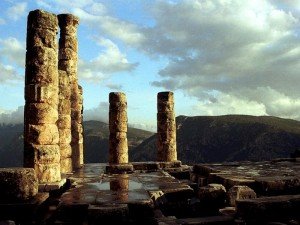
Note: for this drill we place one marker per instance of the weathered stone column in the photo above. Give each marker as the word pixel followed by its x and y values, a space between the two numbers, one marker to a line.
pixel 41 137
pixel 166 128
pixel 68 51
pixel 64 122
pixel 118 147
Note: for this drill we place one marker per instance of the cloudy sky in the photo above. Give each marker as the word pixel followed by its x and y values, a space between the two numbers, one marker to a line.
pixel 218 56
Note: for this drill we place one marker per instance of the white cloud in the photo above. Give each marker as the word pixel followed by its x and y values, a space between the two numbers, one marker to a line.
pixel 13 51
pixel 99 113
pixel 12 117
pixel 16 11
pixel 228 47
pixel 109 61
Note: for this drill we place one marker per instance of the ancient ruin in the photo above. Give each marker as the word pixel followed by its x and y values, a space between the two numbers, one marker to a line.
pixel 41 136
pixel 166 127
pixel 164 192
pixel 118 147
pixel 68 51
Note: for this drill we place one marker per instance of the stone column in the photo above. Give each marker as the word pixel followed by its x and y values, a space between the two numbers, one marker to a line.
pixel 64 122
pixel 68 51
pixel 118 147
pixel 166 128
pixel 41 137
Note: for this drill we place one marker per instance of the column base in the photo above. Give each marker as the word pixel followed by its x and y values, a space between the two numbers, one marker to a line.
pixel 119 168
pixel 47 187
pixel 167 165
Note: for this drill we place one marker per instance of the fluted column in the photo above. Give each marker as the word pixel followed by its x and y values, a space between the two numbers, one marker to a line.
pixel 41 136
pixel 118 146
pixel 166 128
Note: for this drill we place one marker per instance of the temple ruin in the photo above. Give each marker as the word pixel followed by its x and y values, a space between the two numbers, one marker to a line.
pixel 164 192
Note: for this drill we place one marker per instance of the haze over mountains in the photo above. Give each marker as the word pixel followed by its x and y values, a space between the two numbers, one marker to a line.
pixel 199 139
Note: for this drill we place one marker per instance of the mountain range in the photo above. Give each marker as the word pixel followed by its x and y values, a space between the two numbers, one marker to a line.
pixel 199 139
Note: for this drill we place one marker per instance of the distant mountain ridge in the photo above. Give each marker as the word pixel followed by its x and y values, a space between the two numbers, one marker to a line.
pixel 228 138
pixel 199 139
pixel 96 136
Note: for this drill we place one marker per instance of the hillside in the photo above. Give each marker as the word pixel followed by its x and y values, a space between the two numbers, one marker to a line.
pixel 96 142
pixel 228 138
pixel 96 136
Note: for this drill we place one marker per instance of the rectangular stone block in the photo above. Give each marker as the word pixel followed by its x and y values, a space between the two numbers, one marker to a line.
pixel 38 37
pixel 46 74
pixel 76 115
pixel 42 19
pixel 65 136
pixel 44 134
pixel 163 117
pixel 48 173
pixel 41 94
pixel 118 127
pixel 118 116
pixel 68 41
pixel 165 107
pixel 40 113
pixel 64 122
pixel 45 153
pixel 64 107
pixel 65 150
pixel 117 145
pixel 77 126
pixel 118 157
pixel 17 184
pixel 37 56
pixel 66 165
pixel 70 66
pixel 67 54
pixel 118 106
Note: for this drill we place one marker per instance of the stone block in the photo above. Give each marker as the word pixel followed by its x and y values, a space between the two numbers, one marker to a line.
pixel 68 41
pixel 165 106
pixel 165 97
pixel 239 192
pixel 48 173
pixel 46 74
pixel 68 24
pixel 64 121
pixel 42 19
pixel 38 37
pixel 212 194
pixel 120 116
pixel 66 165
pixel 44 153
pixel 65 136
pixel 40 113
pixel 118 106
pixel 118 127
pixel 118 157
pixel 119 168
pixel 166 117
pixel 64 107
pixel 117 144
pixel 17 184
pixel 46 134
pixel 41 94
pixel 76 115
pixel 37 56
pixel 67 54
pixel 65 150
pixel 70 66
pixel 117 97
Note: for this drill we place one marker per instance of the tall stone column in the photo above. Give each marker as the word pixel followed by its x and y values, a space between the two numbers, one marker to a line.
pixel 166 128
pixel 41 137
pixel 68 58
pixel 64 122
pixel 118 146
